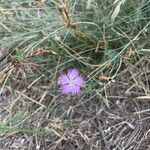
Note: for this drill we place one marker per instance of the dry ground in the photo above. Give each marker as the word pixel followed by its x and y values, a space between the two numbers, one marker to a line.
pixel 71 123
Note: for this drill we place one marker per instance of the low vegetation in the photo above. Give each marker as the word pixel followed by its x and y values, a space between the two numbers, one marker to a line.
pixel 108 42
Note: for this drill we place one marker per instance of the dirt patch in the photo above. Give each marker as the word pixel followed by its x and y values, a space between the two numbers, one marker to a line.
pixel 71 123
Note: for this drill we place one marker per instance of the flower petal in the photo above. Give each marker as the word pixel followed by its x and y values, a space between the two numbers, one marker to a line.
pixel 79 81
pixel 72 73
pixel 63 79
pixel 75 90
pixel 66 89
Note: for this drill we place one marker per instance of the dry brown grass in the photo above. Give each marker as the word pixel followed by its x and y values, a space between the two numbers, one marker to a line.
pixel 70 123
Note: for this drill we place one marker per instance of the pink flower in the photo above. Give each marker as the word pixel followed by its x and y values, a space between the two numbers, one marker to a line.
pixel 71 82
